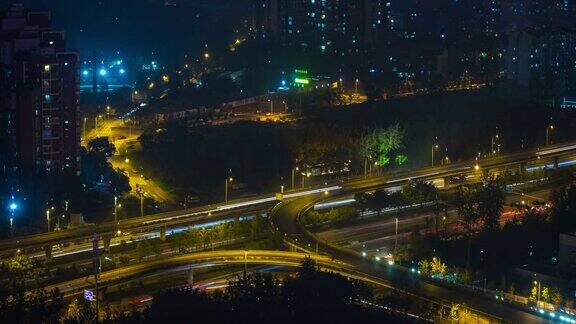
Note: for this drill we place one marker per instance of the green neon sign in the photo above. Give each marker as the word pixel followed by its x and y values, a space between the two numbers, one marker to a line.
pixel 301 71
pixel 301 81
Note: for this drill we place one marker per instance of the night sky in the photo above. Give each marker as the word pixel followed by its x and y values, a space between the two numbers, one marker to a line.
pixel 136 28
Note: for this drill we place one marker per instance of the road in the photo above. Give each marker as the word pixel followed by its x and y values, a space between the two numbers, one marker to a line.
pixel 252 257
pixel 285 219
pixel 376 236
pixel 125 139
pixel 530 158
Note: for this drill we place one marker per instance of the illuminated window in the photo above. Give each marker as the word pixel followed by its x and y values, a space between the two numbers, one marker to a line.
pixel 46 68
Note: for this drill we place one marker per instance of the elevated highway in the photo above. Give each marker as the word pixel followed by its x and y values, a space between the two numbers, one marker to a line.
pixel 551 156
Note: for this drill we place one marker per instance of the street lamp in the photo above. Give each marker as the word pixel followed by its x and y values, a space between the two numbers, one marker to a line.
pixel 226 188
pixel 293 170
pixel 304 176
pixel 494 140
pixel 548 130
pixel 341 85
pixel 434 147
pixel 537 284
pixel 115 209
pixel 356 86
pixel 396 238
pixel 13 207
pixel 142 203
pixel 48 217
pixel 84 128
pixel 271 106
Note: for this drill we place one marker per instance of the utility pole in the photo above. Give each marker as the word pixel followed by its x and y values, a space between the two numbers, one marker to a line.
pixel 293 170
pixel 396 238
pixel 245 263
pixel 94 77
pixel 433 148
pixel 141 204
pixel 115 209
pixel 548 130
pixel 84 128
pixel 226 189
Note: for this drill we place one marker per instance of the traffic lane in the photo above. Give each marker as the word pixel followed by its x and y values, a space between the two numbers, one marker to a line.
pixel 287 216
pixel 35 242
pixel 269 257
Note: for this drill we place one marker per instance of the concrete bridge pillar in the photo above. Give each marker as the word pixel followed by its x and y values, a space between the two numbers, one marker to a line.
pixel 106 238
pixel 48 252
pixel 556 159
pixel 163 233
pixel 522 167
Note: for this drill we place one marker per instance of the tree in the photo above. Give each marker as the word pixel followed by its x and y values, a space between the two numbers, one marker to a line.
pixel 533 294
pixel 466 205
pixel 491 203
pixel 437 267
pixel 424 267
pixel 545 294
pixel 564 208
pixel 401 159
pixel 379 200
pixel 102 145
pixel 380 143
pixel 81 311
pixel 362 201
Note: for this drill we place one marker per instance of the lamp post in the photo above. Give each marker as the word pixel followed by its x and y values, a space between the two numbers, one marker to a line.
pixel 115 209
pixel 226 189
pixel 271 106
pixel 304 176
pixel 48 218
pixel 341 85
pixel 537 284
pixel 434 147
pixel 141 203
pixel 84 128
pixel 356 86
pixel 293 170
pixel 494 140
pixel 13 207
pixel 548 130
pixel 396 238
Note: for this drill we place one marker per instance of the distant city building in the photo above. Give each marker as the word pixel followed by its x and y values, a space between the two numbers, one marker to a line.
pixel 567 253
pixel 568 103
pixel 39 95
pixel 325 25
pixel 543 61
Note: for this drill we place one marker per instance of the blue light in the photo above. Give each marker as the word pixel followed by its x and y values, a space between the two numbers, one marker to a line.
pixel 283 82
pixel 85 72
pixel 122 71
pixel 103 72
pixel 13 206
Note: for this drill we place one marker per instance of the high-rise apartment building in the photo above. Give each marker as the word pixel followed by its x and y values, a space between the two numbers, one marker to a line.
pixel 325 25
pixel 543 60
pixel 39 95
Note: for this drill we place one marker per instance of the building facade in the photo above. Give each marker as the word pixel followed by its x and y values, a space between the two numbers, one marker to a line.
pixel 325 25
pixel 39 95
pixel 543 60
